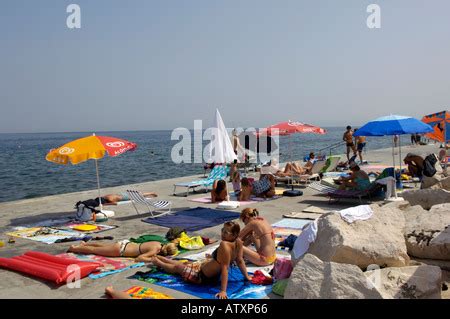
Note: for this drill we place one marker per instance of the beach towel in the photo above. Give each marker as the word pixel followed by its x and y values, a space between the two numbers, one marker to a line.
pixel 306 237
pixel 73 226
pixel 301 215
pixel 315 209
pixel 45 235
pixel 286 227
pixel 237 288
pixel 138 292
pixel 147 238
pixel 194 218
pixel 110 265
pixel 352 214
pixel 207 200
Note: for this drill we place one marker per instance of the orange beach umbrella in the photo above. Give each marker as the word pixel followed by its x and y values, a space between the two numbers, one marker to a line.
pixel 90 147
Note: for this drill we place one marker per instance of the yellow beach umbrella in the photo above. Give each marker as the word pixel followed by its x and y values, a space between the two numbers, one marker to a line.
pixel 90 147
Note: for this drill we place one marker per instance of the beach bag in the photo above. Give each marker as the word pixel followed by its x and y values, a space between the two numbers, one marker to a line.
pixel 429 163
pixel 190 243
pixel 282 269
pixel 279 287
pixel 85 212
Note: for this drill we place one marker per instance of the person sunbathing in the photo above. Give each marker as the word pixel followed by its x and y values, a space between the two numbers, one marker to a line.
pixel 264 187
pixel 113 199
pixel 257 231
pixel 292 168
pixel 142 252
pixel 210 270
pixel 219 192
pixel 358 179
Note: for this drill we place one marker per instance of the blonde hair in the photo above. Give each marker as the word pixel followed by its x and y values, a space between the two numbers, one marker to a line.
pixel 169 249
pixel 249 212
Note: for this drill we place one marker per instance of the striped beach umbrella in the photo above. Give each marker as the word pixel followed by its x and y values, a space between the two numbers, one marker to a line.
pixel 90 147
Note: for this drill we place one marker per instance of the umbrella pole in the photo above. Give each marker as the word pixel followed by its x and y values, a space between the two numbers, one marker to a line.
pixel 98 185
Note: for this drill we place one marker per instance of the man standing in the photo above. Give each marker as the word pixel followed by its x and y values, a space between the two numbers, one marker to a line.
pixel 348 138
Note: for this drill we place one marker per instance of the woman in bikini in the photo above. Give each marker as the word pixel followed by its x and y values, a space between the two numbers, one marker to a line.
pixel 219 192
pixel 210 270
pixel 257 231
pixel 143 252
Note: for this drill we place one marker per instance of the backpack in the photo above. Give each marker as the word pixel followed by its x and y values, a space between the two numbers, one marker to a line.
pixel 85 211
pixel 429 163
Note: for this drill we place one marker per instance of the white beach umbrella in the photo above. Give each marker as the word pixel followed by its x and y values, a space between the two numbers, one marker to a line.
pixel 220 148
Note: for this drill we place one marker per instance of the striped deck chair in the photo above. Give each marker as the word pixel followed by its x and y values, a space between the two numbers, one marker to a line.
pixel 217 173
pixel 162 207
pixel 339 194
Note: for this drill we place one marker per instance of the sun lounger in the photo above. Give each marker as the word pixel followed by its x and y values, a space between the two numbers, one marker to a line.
pixel 331 164
pixel 162 207
pixel 339 194
pixel 217 173
pixel 305 178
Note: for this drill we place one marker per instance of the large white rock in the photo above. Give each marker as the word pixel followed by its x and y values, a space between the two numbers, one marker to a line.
pixel 427 197
pixel 444 183
pixel 417 282
pixel 427 233
pixel 312 278
pixel 378 240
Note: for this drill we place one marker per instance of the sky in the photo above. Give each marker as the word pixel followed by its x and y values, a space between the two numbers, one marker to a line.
pixel 155 64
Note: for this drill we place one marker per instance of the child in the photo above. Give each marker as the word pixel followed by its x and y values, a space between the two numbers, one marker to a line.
pixel 211 269
pixel 142 252
pixel 236 181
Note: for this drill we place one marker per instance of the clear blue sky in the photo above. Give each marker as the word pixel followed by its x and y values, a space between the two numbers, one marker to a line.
pixel 144 65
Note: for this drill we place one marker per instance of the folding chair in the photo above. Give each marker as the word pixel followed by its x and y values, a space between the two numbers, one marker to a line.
pixel 152 205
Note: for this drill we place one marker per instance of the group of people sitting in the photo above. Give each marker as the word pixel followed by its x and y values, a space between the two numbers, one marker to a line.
pixel 234 248
pixel 244 188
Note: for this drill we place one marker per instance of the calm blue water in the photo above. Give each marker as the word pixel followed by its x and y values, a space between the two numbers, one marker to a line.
pixel 24 172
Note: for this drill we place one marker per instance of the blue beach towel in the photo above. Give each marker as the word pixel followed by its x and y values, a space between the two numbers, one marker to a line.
pixel 194 218
pixel 237 288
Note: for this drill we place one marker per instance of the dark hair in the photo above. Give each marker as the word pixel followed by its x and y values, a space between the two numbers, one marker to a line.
pixel 356 168
pixel 235 161
pixel 233 228
pixel 349 127
pixel 311 154
pixel 221 185
pixel 245 182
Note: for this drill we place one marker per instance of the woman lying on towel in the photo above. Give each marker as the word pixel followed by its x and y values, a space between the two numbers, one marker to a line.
pixel 210 270
pixel 143 252
pixel 257 231
pixel 113 199
pixel 358 179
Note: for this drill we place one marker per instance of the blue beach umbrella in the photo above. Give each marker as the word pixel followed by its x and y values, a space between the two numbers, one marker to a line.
pixel 393 125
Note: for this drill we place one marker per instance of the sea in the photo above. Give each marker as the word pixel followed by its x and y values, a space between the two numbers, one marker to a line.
pixel 25 173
